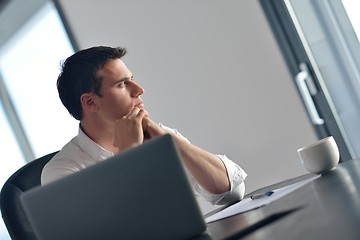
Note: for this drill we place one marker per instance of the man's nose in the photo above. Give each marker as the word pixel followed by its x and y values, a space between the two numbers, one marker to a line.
pixel 136 90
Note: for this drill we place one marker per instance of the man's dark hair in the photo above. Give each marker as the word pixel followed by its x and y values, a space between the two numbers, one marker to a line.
pixel 79 75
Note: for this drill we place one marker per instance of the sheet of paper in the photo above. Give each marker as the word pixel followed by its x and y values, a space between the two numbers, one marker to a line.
pixel 248 204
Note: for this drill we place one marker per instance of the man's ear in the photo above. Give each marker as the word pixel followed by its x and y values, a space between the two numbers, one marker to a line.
pixel 88 102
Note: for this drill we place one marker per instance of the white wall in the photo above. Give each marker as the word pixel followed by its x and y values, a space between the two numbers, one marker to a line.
pixel 211 69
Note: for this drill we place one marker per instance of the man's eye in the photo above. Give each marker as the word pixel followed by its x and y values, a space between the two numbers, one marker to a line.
pixel 121 84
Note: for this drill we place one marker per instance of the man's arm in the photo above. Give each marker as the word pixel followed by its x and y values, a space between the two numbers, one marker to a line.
pixel 207 169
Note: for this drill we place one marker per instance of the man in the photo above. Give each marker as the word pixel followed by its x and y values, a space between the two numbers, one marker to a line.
pixel 99 90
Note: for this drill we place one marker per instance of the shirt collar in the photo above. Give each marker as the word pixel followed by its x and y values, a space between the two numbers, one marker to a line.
pixel 93 149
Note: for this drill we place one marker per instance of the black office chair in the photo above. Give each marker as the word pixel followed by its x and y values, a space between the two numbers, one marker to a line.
pixel 22 180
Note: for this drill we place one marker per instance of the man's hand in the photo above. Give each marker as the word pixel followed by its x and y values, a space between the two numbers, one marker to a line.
pixel 129 130
pixel 151 128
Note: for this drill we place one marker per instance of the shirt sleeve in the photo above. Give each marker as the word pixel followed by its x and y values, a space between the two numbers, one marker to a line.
pixel 236 177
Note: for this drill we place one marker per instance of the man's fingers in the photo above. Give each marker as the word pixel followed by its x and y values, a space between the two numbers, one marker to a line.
pixel 137 112
pixel 145 123
pixel 133 113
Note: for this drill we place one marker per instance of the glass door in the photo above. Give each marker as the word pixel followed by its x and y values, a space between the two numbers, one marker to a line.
pixel 319 42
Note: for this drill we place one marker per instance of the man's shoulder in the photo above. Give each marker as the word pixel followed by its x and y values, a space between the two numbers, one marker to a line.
pixel 69 159
pixel 68 150
pixel 71 156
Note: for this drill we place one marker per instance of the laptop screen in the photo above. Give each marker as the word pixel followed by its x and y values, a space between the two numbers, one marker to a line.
pixel 142 193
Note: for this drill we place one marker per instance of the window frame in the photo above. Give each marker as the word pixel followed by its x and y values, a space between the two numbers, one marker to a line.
pixel 297 58
pixel 5 99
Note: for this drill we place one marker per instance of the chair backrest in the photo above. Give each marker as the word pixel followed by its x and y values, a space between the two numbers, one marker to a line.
pixel 22 180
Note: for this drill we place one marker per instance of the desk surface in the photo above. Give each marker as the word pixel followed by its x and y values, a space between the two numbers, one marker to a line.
pixel 326 208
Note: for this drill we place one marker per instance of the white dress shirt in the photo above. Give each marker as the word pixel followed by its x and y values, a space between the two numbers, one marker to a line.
pixel 82 152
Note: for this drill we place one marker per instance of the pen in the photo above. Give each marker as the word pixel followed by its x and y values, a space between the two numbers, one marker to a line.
pixel 261 195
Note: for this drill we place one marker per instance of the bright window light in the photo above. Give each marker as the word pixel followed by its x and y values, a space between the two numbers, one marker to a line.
pixel 29 65
pixel 352 9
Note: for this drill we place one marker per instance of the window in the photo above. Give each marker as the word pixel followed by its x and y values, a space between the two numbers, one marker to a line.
pixel 319 42
pixel 33 120
pixel 30 65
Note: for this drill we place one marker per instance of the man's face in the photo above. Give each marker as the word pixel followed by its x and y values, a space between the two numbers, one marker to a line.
pixel 120 94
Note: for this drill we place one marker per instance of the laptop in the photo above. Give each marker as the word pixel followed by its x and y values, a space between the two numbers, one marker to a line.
pixel 143 193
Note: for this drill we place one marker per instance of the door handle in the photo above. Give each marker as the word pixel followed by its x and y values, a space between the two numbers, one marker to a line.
pixel 301 79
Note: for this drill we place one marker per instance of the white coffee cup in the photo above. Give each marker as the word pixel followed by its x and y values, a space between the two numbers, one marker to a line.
pixel 321 156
